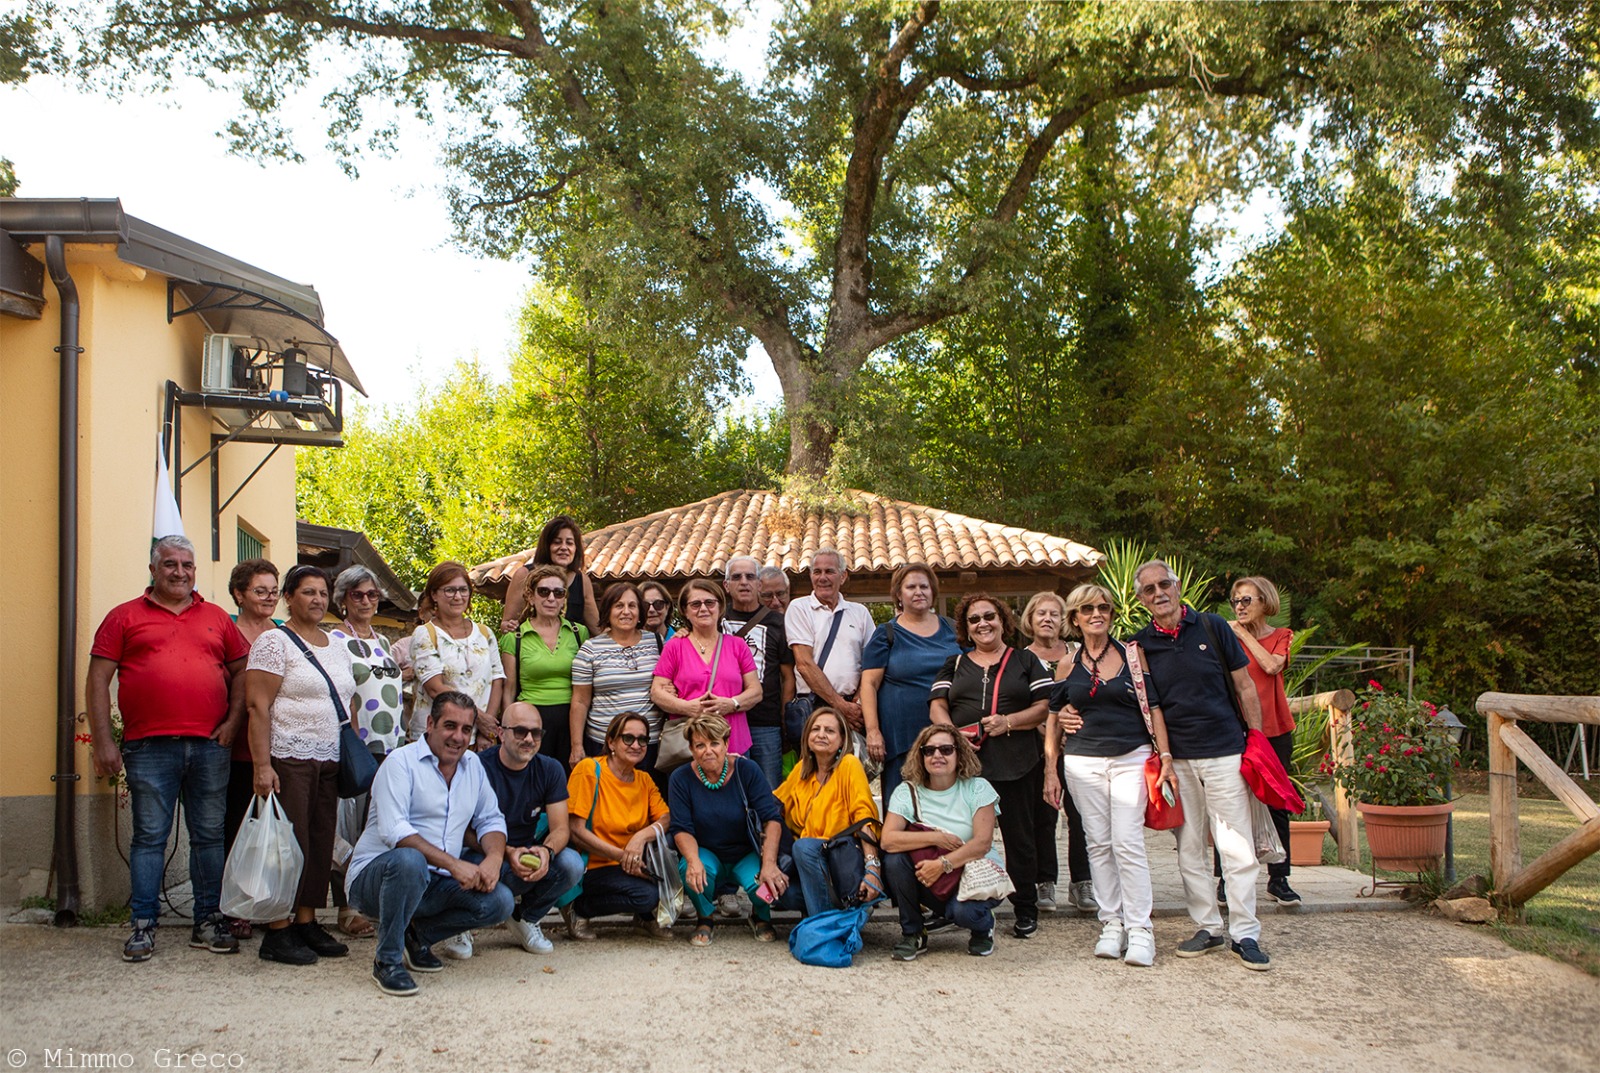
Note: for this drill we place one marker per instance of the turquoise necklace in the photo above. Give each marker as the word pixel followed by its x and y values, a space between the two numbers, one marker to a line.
pixel 707 783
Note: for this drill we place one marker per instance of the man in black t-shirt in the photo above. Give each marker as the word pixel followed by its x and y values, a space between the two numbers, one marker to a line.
pixel 532 790
pixel 769 645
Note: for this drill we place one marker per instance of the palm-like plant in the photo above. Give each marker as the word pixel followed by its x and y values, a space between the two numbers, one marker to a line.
pixel 1123 558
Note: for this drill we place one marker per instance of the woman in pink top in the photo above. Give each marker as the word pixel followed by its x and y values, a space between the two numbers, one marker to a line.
pixel 1254 599
pixel 683 684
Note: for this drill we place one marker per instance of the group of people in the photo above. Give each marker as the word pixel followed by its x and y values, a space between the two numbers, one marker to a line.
pixel 554 766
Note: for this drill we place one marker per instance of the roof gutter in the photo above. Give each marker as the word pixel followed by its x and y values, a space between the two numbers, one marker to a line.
pixel 65 852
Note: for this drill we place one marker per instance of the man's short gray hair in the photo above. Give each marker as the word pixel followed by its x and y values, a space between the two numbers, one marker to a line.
pixel 838 560
pixel 171 540
pixel 755 564
pixel 349 578
pixel 1151 565
pixel 767 573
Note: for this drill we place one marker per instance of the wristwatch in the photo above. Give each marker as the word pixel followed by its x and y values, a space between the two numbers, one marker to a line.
pixel 944 862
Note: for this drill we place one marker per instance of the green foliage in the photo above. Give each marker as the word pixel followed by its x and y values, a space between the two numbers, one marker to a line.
pixel 1123 559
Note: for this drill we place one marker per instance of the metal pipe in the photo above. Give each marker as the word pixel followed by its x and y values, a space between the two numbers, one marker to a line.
pixel 65 853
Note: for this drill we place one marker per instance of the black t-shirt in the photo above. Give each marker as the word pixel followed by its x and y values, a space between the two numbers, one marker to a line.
pixel 969 690
pixel 769 646
pixel 525 794
pixel 1201 720
pixel 1113 722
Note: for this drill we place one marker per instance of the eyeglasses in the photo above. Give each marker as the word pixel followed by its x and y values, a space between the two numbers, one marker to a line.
pixel 456 591
pixel 636 741
pixel 1090 609
pixel 531 733
pixel 264 594
pixel 938 750
pixel 741 577
pixel 546 592
pixel 1242 601
pixel 696 605
pixel 656 605
pixel 363 596
pixel 982 616
pixel 1164 584
pixel 385 672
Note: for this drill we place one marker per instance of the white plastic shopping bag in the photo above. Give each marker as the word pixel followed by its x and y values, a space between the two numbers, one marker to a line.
pixel 262 875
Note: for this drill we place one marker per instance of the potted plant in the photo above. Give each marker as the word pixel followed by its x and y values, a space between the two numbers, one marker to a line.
pixel 1306 766
pixel 1403 761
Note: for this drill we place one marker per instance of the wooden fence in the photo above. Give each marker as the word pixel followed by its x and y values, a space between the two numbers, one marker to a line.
pixel 1508 743
pixel 1337 704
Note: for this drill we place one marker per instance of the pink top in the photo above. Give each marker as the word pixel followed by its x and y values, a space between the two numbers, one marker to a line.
pixel 680 664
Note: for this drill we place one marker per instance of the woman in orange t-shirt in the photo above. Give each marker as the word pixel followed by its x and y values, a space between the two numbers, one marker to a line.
pixel 613 812
pixel 1254 599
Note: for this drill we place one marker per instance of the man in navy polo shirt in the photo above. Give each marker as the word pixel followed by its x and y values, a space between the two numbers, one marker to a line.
pixel 177 659
pixel 1192 655
pixel 531 786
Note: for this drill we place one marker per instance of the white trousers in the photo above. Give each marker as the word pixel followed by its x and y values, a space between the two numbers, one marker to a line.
pixel 1215 796
pixel 1110 794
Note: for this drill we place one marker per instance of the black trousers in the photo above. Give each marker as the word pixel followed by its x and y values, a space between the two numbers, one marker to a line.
pixel 1077 845
pixel 1021 803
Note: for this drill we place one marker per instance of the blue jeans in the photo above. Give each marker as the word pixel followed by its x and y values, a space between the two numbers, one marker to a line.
pixel 400 891
pixel 609 890
pixel 766 749
pixel 811 876
pixel 161 772
pixel 900 875
pixel 536 899
pixel 746 872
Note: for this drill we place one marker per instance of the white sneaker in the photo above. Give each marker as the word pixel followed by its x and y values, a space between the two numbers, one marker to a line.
pixel 1141 948
pixel 530 936
pixel 1113 941
pixel 457 946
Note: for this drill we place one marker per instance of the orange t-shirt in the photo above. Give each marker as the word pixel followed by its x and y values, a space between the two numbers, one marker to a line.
pixel 621 809
pixel 1275 717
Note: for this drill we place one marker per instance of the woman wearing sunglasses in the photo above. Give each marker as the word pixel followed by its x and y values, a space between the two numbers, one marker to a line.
pixel 953 811
pixel 538 655
pixel 613 812
pixel 560 544
pixel 1253 600
pixel 997 696
pixel 655 603
pixel 1097 726
pixel 707 671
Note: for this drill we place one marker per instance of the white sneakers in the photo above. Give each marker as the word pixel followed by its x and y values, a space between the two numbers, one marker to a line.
pixel 1141 948
pixel 530 936
pixel 457 946
pixel 1113 941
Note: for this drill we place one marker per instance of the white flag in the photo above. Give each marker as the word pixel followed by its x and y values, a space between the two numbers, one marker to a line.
pixel 168 518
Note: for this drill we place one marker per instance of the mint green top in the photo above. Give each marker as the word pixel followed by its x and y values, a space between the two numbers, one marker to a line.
pixel 543 676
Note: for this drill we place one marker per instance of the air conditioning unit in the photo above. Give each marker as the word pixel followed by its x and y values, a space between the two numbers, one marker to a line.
pixel 226 362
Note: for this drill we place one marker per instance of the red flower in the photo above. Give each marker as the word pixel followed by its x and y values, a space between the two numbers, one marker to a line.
pixel 84 739
pixel 1382 770
pixel 1383 750
pixel 1374 684
pixel 1369 764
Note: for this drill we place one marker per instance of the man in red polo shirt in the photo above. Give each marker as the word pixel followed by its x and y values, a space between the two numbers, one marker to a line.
pixel 178 661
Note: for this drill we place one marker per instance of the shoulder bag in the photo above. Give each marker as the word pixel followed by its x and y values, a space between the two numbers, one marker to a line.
pixel 847 864
pixel 946 884
pixel 357 766
pixel 674 751
pixel 974 731
pixel 1163 811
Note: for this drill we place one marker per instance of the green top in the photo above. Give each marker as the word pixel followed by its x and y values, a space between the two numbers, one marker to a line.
pixel 543 676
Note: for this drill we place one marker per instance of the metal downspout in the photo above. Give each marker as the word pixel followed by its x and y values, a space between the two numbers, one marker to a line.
pixel 65 854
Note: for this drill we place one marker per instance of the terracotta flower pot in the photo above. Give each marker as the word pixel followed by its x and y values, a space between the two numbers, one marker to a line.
pixel 1406 838
pixel 1305 842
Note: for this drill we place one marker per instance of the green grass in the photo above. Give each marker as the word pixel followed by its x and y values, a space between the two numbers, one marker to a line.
pixel 1563 920
pixel 104 917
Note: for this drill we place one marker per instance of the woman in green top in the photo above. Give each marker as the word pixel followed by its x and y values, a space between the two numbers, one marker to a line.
pixel 538 657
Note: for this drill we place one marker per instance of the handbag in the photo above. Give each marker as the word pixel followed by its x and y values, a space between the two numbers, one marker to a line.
pixel 830 938
pixel 1163 810
pixel 756 827
pixel 974 731
pixel 357 766
pixel 847 864
pixel 983 880
pixel 674 751
pixel 946 884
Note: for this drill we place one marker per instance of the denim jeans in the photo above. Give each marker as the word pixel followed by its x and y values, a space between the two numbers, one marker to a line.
pixel 811 875
pixel 399 890
pixel 536 899
pixel 766 749
pixel 161 772
pixel 610 890
pixel 745 872
pixel 900 875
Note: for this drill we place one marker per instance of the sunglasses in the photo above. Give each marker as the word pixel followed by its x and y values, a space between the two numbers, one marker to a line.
pixel 1164 584
pixel 938 750
pixel 354 597
pixel 546 591
pixel 1242 601
pixel 531 733
pixel 637 741
pixel 695 605
pixel 986 616
pixel 741 577
pixel 1089 609
pixel 656 605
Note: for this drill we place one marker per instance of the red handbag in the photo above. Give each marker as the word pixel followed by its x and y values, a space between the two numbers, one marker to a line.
pixel 1162 810
pixel 945 885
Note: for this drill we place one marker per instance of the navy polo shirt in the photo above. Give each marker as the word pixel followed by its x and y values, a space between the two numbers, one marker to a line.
pixel 525 794
pixel 1201 720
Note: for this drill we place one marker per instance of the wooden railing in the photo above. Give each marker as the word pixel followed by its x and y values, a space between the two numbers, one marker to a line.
pixel 1337 704
pixel 1508 743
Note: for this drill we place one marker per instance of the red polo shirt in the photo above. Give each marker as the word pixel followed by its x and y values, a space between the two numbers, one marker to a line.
pixel 172 675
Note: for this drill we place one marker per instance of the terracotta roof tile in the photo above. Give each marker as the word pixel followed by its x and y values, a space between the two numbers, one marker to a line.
pixel 871 532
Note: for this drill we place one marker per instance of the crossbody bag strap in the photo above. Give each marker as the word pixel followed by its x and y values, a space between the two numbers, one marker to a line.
pixel 588 821
pixel 1227 675
pixel 752 623
pixel 916 809
pixel 994 699
pixel 833 632
pixel 716 661
pixel 1130 656
pixel 333 692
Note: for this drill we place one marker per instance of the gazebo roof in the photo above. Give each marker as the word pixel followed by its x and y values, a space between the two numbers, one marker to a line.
pixel 873 533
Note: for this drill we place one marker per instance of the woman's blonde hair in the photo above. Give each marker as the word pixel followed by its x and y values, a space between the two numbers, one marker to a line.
pixel 808 759
pixel 1026 625
pixel 1270 601
pixel 706 725
pixel 968 766
pixel 1087 593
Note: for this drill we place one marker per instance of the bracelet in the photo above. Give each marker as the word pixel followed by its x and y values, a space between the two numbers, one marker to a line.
pixel 945 863
pixel 1008 724
pixel 1166 756
pixel 872 862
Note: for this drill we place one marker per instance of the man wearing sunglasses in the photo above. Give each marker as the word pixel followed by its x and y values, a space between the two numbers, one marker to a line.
pixel 827 633
pixel 532 791
pixel 1199 669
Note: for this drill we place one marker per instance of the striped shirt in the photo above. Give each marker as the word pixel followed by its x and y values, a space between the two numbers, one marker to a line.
pixel 620 678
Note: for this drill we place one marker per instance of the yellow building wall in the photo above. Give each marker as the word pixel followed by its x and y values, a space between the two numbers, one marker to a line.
pixel 130 351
